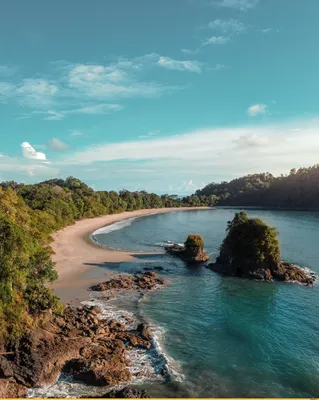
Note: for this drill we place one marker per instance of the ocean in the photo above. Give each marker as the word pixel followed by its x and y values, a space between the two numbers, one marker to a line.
pixel 217 336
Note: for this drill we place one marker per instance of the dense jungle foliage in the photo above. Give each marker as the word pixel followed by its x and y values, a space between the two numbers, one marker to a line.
pixel 28 216
pixel 298 190
pixel 249 244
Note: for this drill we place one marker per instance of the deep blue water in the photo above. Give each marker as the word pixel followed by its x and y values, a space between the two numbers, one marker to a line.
pixel 231 337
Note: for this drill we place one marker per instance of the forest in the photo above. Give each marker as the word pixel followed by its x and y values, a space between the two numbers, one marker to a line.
pixel 297 190
pixel 29 214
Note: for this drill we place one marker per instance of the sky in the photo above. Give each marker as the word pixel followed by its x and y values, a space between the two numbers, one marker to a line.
pixel 158 95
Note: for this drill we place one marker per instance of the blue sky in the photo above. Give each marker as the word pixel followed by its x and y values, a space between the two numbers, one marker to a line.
pixel 162 95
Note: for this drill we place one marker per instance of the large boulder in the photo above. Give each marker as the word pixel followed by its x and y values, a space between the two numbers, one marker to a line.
pixel 100 369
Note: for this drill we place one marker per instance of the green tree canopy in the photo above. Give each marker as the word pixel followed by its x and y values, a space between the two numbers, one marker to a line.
pixel 250 244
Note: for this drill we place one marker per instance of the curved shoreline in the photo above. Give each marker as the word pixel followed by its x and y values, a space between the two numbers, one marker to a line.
pixel 75 254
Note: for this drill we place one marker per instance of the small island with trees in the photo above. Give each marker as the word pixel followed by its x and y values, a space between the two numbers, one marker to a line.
pixel 192 251
pixel 251 250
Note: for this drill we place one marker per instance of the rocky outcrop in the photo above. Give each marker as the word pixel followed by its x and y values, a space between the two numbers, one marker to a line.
pixel 191 252
pixel 251 250
pixel 126 393
pixel 92 349
pixel 145 281
pixel 282 271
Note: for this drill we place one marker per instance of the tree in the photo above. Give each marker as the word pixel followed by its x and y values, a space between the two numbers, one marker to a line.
pixel 250 245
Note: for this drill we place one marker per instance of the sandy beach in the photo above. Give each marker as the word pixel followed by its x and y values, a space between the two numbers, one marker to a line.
pixel 76 255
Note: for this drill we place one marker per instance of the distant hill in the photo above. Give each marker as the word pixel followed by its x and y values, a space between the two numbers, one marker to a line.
pixel 298 190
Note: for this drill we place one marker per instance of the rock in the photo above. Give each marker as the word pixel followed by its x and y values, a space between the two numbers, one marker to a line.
pixel 145 332
pixel 95 310
pixel 148 280
pixel 96 371
pixel 127 319
pixel 11 389
pixel 283 271
pixel 192 251
pixel 116 326
pixel 121 282
pixel 6 370
pixel 126 393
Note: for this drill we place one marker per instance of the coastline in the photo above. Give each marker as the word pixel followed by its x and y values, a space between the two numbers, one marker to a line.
pixel 76 255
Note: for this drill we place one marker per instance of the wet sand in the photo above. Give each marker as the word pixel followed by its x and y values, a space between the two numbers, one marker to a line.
pixel 80 262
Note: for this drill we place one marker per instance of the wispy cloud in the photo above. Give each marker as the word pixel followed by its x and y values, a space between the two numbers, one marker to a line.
pixel 149 134
pixel 57 145
pixel 227 26
pixel 257 109
pixel 111 81
pixel 188 51
pixel 76 133
pixel 7 71
pixel 190 66
pixel 36 92
pixel 242 5
pixel 266 30
pixel 99 109
pixel 215 40
pixel 52 115
pixel 84 88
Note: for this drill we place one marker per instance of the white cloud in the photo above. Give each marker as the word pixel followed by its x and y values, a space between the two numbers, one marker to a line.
pixel 212 147
pixel 216 40
pixel 113 81
pixel 29 152
pixel 257 109
pixel 80 87
pixel 191 66
pixel 49 115
pixel 188 51
pixel 204 155
pixel 242 5
pixel 57 145
pixel 251 140
pixel 230 26
pixel 36 92
pixel 267 30
pixel 99 109
pixel 76 133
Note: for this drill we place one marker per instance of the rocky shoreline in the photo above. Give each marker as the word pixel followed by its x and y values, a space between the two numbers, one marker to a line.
pixel 282 272
pixel 82 344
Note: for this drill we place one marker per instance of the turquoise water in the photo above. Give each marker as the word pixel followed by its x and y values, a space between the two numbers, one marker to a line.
pixel 231 337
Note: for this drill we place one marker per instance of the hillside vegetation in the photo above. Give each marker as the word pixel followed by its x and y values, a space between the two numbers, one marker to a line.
pixel 28 216
pixel 299 189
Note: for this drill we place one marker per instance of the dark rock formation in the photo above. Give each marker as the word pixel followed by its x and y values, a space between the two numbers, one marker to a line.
pixel 145 281
pixel 120 282
pixel 192 251
pixel 93 350
pixel 126 393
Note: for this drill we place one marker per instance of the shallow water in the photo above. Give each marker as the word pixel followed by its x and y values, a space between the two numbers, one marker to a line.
pixel 219 337
pixel 232 337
